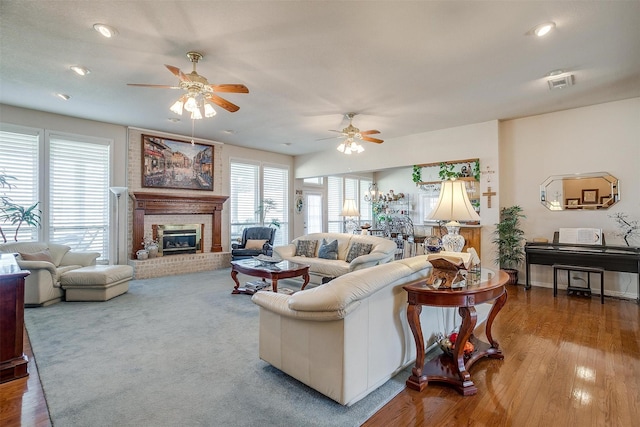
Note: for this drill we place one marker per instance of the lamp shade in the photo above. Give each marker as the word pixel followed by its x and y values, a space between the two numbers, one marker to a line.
pixel 453 204
pixel 349 208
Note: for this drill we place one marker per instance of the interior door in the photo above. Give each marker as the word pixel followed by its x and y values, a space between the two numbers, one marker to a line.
pixel 313 218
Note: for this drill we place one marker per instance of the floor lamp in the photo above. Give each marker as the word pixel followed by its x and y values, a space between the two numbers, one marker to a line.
pixel 453 206
pixel 118 191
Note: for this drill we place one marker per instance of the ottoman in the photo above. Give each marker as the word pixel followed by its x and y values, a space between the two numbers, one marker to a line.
pixel 96 282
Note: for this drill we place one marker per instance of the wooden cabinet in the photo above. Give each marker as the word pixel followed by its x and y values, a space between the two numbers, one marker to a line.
pixel 13 362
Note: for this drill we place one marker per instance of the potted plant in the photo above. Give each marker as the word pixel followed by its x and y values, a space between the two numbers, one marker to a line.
pixel 14 213
pixel 510 238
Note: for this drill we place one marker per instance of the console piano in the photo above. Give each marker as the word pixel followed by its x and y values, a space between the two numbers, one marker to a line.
pixel 612 258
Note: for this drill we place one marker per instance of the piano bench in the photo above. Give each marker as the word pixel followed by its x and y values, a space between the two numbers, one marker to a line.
pixel 588 270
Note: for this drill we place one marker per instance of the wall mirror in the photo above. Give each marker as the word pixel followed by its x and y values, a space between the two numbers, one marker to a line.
pixel 582 191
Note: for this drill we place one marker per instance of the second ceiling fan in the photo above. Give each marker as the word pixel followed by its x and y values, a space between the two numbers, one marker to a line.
pixel 352 133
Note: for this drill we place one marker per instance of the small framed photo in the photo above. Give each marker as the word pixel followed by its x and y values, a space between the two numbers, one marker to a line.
pixel 590 197
pixel 606 200
pixel 572 203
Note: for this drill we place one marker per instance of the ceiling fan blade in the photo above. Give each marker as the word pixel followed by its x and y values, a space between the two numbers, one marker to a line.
pixel 369 132
pixel 339 131
pixel 230 88
pixel 376 140
pixel 154 86
pixel 179 74
pixel 331 137
pixel 232 108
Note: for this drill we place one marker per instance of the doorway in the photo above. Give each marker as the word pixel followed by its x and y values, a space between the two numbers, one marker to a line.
pixel 313 218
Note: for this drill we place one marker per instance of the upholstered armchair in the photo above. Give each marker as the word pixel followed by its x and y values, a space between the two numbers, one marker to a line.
pixel 255 241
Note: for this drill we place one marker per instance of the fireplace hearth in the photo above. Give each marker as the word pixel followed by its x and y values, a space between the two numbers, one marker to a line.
pixel 175 239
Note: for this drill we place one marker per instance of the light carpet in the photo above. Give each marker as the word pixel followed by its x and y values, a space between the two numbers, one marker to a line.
pixel 175 351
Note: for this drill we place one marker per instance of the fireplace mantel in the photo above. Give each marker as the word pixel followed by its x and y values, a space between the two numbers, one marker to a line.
pixel 171 204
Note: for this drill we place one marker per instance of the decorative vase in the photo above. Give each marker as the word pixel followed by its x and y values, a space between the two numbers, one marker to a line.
pixel 513 276
pixel 153 250
pixel 142 254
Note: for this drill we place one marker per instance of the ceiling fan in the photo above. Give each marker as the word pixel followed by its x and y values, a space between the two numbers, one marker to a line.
pixel 199 93
pixel 351 133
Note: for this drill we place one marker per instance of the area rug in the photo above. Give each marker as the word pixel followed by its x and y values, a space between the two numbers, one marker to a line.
pixel 174 351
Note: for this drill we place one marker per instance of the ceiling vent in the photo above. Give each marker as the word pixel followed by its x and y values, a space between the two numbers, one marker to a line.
pixel 560 82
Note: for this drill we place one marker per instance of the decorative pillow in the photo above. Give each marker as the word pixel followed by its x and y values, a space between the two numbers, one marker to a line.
pixel 38 256
pixel 306 248
pixel 254 244
pixel 328 250
pixel 358 249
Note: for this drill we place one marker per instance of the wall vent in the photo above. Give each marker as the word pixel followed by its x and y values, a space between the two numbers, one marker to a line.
pixel 560 82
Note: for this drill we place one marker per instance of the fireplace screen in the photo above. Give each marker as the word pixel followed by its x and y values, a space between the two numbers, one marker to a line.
pixel 174 239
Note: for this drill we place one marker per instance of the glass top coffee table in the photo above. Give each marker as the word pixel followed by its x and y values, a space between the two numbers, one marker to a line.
pixel 273 271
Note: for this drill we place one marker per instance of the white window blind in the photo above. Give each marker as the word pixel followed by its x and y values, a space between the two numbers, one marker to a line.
pixel 243 197
pixel 275 187
pixel 335 199
pixel 79 194
pixel 19 153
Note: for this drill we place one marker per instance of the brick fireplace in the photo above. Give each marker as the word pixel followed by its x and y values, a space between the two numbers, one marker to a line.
pixel 158 204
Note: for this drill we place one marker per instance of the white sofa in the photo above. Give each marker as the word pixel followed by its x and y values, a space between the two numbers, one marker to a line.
pixel 382 251
pixel 42 286
pixel 348 337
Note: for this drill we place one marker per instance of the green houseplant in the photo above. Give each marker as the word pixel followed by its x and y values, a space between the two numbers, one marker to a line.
pixel 510 238
pixel 13 213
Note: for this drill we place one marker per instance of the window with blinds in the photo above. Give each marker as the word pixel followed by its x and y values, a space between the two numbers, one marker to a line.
pixel 79 194
pixel 338 190
pixel 259 193
pixel 19 152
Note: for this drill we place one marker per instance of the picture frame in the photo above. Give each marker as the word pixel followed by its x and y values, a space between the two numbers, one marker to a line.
pixel 572 203
pixel 590 197
pixel 172 163
pixel 606 200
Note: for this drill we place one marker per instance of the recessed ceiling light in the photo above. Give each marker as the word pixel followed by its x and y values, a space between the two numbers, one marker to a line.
pixel 173 119
pixel 229 131
pixel 80 70
pixel 106 30
pixel 544 29
pixel 63 96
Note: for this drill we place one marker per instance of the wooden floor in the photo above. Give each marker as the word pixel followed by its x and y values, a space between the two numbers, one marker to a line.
pixel 569 361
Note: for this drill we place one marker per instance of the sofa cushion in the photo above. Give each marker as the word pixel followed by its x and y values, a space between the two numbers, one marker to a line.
pixel 255 244
pixel 306 248
pixel 358 249
pixel 328 250
pixel 37 256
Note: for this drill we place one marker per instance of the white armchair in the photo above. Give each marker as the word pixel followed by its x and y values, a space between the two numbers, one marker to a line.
pixel 46 262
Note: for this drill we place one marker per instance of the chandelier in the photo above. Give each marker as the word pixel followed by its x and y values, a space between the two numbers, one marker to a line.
pixel 350 146
pixel 373 195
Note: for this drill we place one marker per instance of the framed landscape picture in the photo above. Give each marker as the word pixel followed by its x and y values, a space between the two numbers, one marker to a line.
pixel 171 163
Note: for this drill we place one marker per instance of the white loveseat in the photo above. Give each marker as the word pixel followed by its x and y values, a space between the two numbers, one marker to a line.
pixel 382 251
pixel 42 286
pixel 348 337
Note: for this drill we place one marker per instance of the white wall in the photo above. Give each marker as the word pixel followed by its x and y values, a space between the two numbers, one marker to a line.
pixel 604 137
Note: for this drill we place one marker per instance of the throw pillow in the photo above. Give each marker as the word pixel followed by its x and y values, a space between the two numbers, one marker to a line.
pixel 358 249
pixel 306 248
pixel 37 256
pixel 328 250
pixel 254 244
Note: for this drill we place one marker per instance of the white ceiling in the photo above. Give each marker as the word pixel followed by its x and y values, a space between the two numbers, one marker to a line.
pixel 405 66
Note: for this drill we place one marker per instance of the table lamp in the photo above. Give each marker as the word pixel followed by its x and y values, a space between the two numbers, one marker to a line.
pixel 453 206
pixel 349 211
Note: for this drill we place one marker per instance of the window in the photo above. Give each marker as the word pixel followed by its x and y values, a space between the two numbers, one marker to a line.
pixel 79 194
pixel 341 188
pixel 19 153
pixel 259 195
pixel 69 179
